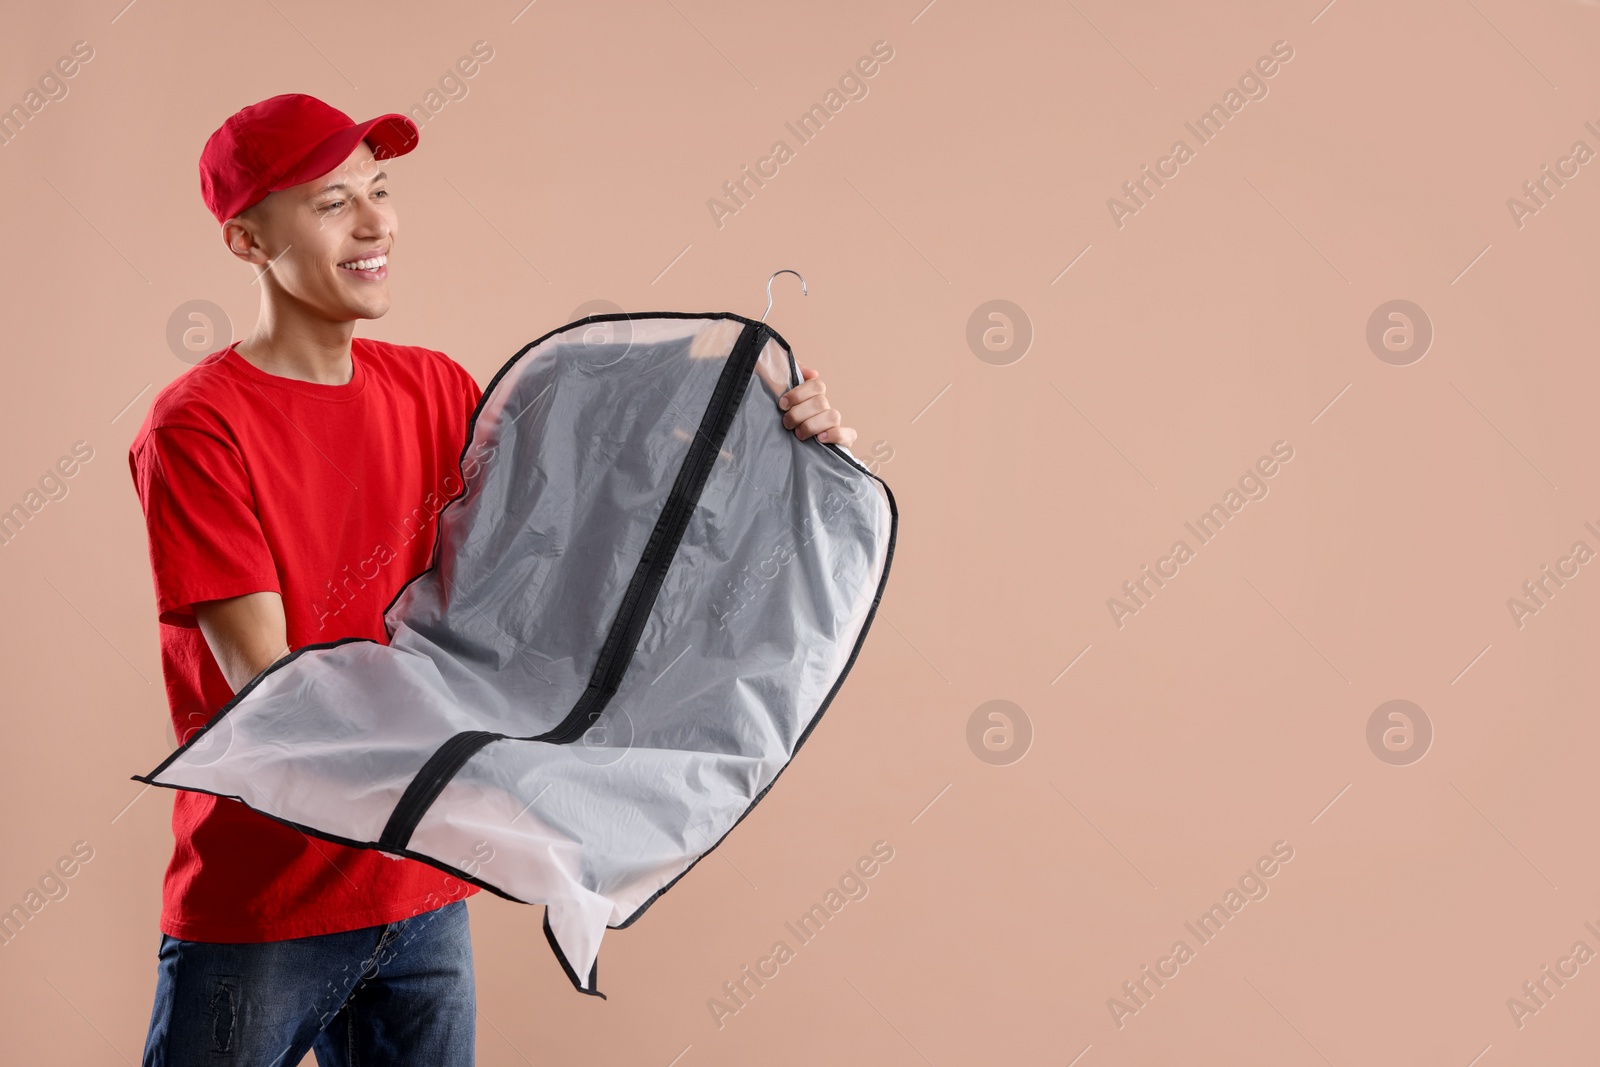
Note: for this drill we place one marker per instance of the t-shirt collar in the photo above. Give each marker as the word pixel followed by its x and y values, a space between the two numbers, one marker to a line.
pixel 351 389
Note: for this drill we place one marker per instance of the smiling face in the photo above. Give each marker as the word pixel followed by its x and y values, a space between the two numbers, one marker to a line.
pixel 324 245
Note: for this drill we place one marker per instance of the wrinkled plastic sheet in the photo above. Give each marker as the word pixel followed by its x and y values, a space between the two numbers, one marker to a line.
pixel 640 604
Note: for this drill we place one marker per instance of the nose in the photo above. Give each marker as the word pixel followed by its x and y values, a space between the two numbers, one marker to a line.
pixel 372 220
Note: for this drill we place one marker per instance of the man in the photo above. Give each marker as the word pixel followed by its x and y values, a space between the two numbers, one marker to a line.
pixel 289 483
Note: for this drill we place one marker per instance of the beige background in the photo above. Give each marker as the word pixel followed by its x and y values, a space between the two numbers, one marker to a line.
pixel 1229 313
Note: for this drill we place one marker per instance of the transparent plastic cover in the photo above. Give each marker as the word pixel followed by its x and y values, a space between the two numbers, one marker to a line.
pixel 640 603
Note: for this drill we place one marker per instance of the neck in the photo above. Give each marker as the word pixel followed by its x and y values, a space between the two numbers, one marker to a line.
pixel 298 347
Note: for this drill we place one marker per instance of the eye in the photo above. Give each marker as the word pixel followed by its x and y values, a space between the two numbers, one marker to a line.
pixel 332 204
pixel 381 192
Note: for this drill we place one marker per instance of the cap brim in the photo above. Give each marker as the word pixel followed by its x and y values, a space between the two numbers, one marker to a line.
pixel 389 135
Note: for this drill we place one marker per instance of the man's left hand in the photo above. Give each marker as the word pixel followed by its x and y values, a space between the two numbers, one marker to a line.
pixel 807 412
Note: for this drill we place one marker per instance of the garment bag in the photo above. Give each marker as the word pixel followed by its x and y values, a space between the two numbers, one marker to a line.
pixel 638 608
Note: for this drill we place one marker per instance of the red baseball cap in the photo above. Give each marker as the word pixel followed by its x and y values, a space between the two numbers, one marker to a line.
pixel 284 141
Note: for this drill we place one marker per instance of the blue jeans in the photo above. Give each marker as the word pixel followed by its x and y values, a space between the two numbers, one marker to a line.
pixel 400 993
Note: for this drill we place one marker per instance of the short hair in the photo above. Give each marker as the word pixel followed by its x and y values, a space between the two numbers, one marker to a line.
pixel 255 211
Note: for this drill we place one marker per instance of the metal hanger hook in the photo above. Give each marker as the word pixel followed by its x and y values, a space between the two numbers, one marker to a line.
pixel 803 290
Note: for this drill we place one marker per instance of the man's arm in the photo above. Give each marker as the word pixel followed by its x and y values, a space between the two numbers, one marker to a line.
pixel 246 634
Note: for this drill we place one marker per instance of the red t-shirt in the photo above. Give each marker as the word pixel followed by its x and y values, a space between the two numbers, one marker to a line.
pixel 327 495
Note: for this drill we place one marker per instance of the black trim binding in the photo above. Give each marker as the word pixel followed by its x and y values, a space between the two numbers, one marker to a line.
pixel 866 624
pixel 420 787
pixel 149 779
pixel 594 969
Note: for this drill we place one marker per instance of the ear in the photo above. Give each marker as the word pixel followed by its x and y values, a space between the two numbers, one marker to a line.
pixel 240 238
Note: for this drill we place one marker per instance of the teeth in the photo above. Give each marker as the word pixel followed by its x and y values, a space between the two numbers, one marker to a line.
pixel 366 264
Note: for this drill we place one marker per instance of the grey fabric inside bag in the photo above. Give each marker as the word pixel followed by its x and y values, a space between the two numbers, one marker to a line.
pixel 640 604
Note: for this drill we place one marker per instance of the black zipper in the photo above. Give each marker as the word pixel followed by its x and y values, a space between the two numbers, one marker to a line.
pixel 623 638
pixel 622 641
pixel 428 783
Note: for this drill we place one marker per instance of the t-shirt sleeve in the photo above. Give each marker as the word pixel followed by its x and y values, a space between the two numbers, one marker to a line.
pixel 206 541
pixel 470 389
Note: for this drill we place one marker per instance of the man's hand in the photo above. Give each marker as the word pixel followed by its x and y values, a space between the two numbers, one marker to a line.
pixel 246 634
pixel 807 412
